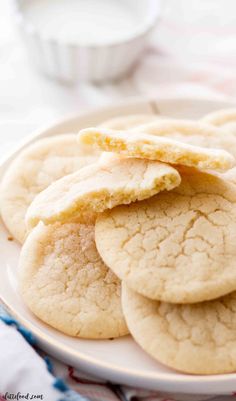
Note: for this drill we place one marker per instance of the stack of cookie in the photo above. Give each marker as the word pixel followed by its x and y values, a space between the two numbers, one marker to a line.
pixel 140 238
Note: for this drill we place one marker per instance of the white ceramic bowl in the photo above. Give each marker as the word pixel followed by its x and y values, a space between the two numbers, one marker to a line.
pixel 67 61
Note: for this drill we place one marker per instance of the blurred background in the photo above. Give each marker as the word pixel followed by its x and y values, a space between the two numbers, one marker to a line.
pixel 191 52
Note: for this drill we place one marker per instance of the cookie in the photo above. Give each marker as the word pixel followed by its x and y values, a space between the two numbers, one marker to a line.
pixel 100 186
pixel 65 283
pixel 192 132
pixel 229 175
pixel 197 339
pixel 125 123
pixel 225 118
pixel 129 121
pixel 178 246
pixel 153 147
pixel 35 169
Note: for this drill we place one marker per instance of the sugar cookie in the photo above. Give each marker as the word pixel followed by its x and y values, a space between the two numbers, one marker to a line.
pixel 196 133
pixel 178 246
pixel 229 175
pixel 197 339
pixel 192 132
pixel 153 147
pixel 35 169
pixel 225 118
pixel 100 186
pixel 65 283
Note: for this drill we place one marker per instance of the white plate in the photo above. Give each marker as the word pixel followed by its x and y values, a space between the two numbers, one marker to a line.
pixel 120 360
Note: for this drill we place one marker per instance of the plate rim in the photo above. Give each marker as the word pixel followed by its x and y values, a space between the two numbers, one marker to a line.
pixel 162 375
pixel 124 375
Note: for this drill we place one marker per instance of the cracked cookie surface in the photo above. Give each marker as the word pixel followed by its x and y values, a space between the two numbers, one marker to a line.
pixel 197 339
pixel 101 186
pixel 152 147
pixel 33 170
pixel 66 284
pixel 178 246
pixel 225 118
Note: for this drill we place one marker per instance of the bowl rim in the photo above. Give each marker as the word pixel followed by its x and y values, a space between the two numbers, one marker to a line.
pixel 153 12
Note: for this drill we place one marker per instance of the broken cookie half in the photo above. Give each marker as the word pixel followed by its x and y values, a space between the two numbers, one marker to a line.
pixel 152 147
pixel 101 186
